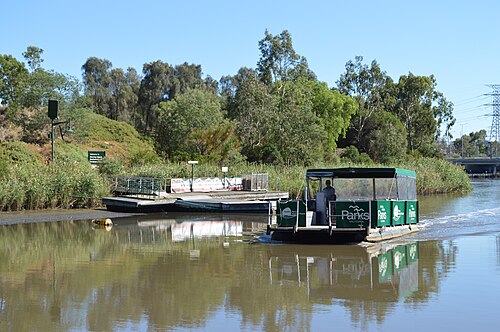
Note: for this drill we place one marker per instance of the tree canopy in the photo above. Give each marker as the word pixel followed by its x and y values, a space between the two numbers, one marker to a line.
pixel 277 112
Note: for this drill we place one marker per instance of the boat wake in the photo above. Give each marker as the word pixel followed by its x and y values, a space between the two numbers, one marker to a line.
pixel 462 224
pixel 264 238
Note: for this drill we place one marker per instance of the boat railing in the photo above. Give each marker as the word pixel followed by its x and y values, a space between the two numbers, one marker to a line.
pixel 346 214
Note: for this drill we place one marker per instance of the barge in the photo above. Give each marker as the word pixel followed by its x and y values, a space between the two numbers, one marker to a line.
pixel 365 204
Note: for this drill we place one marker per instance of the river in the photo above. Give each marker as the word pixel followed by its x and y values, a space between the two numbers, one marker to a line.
pixel 210 272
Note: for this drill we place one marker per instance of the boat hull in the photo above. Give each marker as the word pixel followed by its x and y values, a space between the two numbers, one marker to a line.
pixel 326 235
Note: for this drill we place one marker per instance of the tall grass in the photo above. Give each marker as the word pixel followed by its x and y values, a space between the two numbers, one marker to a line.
pixel 433 175
pixel 60 185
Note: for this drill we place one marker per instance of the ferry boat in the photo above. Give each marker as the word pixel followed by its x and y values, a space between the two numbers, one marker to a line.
pixel 367 204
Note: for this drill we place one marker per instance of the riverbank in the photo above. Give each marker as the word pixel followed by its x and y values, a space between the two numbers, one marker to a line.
pixel 32 186
pixel 55 215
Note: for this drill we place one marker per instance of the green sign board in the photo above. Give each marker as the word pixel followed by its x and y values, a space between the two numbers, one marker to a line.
pixel 352 214
pixel 287 213
pixel 411 212
pixel 398 212
pixel 95 157
pixel 381 213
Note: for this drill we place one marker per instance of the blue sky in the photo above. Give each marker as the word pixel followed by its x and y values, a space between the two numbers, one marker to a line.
pixel 457 41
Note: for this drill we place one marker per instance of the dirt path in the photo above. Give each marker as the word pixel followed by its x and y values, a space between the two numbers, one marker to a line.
pixel 10 218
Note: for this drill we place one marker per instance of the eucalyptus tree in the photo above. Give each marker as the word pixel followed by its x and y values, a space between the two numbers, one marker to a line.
pixel 255 110
pixel 13 80
pixel 124 89
pixel 33 56
pixel 423 111
pixel 195 110
pixel 158 78
pixel 279 63
pixel 386 138
pixel 97 81
pixel 42 85
pixel 334 110
pixel 474 144
pixel 228 87
pixel 366 84
pixel 131 94
pixel 117 87
pixel 186 77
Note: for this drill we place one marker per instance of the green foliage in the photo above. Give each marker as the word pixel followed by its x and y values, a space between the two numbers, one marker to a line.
pixel 438 176
pixel 386 138
pixel 367 85
pixel 334 110
pixel 69 152
pixel 31 185
pixel 13 80
pixel 475 145
pixel 110 167
pixel 217 144
pixel 194 110
pixel 413 100
pixel 140 156
pixel 18 153
pixel 279 63
pixel 352 155
pixel 278 114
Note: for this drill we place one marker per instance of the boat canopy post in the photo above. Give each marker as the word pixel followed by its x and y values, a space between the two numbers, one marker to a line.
pixel 374 190
pixel 297 218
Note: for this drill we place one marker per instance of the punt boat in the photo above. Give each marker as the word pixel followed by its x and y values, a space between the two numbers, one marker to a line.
pixel 370 204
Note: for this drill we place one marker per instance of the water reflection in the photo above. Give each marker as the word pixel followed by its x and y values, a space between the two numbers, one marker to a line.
pixel 145 274
pixel 387 272
pixel 178 227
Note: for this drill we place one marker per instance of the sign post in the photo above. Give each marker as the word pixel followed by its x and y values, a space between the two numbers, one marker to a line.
pixel 53 109
pixel 224 170
pixel 192 163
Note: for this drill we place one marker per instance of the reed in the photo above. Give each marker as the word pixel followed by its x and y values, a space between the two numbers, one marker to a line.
pixel 433 175
pixel 60 185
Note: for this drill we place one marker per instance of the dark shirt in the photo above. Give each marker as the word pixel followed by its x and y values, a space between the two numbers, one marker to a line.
pixel 329 193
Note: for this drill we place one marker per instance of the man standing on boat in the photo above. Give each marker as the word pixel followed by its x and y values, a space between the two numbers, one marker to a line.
pixel 329 191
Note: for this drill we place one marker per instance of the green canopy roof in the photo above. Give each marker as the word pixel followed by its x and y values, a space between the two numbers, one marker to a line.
pixel 351 172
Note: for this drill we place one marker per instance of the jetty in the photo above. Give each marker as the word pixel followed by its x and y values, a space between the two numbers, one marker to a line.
pixel 248 194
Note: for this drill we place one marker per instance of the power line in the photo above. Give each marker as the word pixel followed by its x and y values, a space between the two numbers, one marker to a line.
pixel 470 100
pixel 469 109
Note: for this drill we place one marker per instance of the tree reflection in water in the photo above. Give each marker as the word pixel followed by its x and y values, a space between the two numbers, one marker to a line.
pixel 69 276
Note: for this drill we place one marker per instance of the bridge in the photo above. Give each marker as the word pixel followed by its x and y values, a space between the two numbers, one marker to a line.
pixel 479 166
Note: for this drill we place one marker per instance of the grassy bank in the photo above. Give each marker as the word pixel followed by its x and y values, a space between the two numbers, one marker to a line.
pixel 69 184
pixel 26 182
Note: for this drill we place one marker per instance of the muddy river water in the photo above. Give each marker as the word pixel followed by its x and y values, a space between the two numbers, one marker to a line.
pixel 216 272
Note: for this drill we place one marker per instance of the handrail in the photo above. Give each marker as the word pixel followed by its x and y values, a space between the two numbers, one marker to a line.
pixel 139 185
